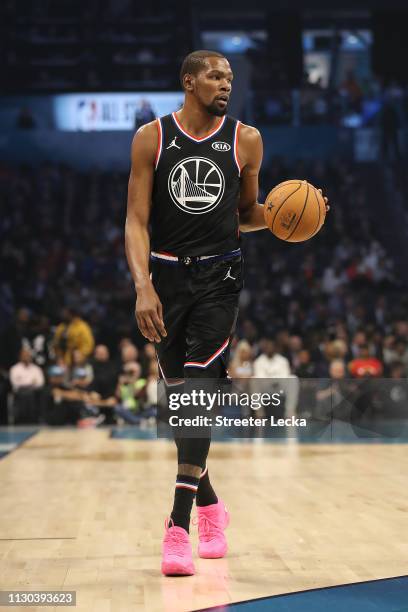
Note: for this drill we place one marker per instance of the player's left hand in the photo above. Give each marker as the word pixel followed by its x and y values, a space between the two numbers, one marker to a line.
pixel 326 200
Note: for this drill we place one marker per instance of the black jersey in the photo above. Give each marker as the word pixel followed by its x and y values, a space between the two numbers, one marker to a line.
pixel 196 189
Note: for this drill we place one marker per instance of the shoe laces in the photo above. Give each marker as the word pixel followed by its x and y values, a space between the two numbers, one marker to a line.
pixel 175 542
pixel 208 528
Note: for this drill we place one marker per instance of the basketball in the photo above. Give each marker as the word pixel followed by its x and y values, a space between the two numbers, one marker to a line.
pixel 294 211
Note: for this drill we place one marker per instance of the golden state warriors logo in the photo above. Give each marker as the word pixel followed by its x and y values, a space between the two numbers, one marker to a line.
pixel 196 185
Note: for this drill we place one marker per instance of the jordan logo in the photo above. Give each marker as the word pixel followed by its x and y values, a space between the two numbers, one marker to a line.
pixel 228 275
pixel 173 144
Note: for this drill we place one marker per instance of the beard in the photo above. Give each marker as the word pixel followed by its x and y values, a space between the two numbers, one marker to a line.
pixel 213 109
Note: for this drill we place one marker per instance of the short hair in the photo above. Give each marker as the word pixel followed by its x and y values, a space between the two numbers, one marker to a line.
pixel 194 62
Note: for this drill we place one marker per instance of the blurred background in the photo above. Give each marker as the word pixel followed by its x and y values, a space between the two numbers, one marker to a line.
pixel 327 88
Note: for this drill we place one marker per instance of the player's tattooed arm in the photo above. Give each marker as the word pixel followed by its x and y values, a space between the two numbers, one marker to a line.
pixel 250 152
pixel 148 310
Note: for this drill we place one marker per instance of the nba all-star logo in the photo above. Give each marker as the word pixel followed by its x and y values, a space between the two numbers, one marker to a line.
pixel 196 185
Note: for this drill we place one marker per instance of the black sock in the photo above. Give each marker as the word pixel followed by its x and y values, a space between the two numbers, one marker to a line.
pixel 205 494
pixel 186 489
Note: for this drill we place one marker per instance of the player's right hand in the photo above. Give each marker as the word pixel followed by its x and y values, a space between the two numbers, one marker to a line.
pixel 149 314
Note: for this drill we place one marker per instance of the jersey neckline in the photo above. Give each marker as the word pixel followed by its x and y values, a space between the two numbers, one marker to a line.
pixel 203 138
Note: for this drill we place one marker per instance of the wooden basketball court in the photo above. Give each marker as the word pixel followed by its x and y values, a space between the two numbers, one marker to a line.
pixel 82 511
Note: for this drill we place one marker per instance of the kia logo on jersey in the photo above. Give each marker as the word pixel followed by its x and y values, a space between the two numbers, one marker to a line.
pixel 221 146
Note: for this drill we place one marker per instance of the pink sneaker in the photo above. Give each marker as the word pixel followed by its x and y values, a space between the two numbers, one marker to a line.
pixel 212 520
pixel 177 553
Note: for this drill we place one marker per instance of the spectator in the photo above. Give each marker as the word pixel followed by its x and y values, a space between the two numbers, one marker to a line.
pixel 305 368
pixel 333 278
pixel 242 365
pixel 401 329
pixel 398 370
pixel 397 352
pixel 14 337
pixel 105 372
pixel 72 334
pixel 65 405
pixel 68 403
pixel 364 364
pixel 57 375
pixel 295 346
pixel 81 371
pixel 41 341
pixel 332 395
pixel 147 356
pixel 395 393
pixel 359 340
pixel 337 369
pixel 27 382
pixel 335 349
pixel 128 354
pixel 144 114
pixel 25 374
pixel 131 391
pixel 271 364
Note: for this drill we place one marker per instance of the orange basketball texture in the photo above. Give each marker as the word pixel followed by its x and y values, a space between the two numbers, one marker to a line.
pixel 294 211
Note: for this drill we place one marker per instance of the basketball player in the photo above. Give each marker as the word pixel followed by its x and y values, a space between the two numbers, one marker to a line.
pixel 194 179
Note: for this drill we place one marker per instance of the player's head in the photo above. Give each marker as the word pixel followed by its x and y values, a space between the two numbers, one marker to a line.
pixel 207 76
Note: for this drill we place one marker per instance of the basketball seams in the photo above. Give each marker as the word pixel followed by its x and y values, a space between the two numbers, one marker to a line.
pixel 293 182
pixel 301 214
pixel 320 213
pixel 280 206
pixel 318 219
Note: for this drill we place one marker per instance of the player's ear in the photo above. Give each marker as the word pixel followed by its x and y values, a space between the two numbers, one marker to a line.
pixel 188 82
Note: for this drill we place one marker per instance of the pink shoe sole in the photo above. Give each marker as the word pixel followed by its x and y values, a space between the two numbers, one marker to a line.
pixel 219 553
pixel 170 568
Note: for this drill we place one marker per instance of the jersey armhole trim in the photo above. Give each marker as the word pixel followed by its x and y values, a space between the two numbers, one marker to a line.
pixel 159 142
pixel 236 136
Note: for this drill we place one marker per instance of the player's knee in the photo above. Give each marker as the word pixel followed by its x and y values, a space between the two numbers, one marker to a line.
pixel 193 451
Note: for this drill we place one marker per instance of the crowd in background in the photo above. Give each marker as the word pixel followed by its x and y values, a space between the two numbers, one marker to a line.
pixel 63 377
pixel 107 45
pixel 354 103
pixel 331 307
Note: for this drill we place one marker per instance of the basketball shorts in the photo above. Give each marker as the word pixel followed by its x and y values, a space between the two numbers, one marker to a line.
pixel 200 309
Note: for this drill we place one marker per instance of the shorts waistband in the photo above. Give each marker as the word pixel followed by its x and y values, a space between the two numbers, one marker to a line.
pixel 186 260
